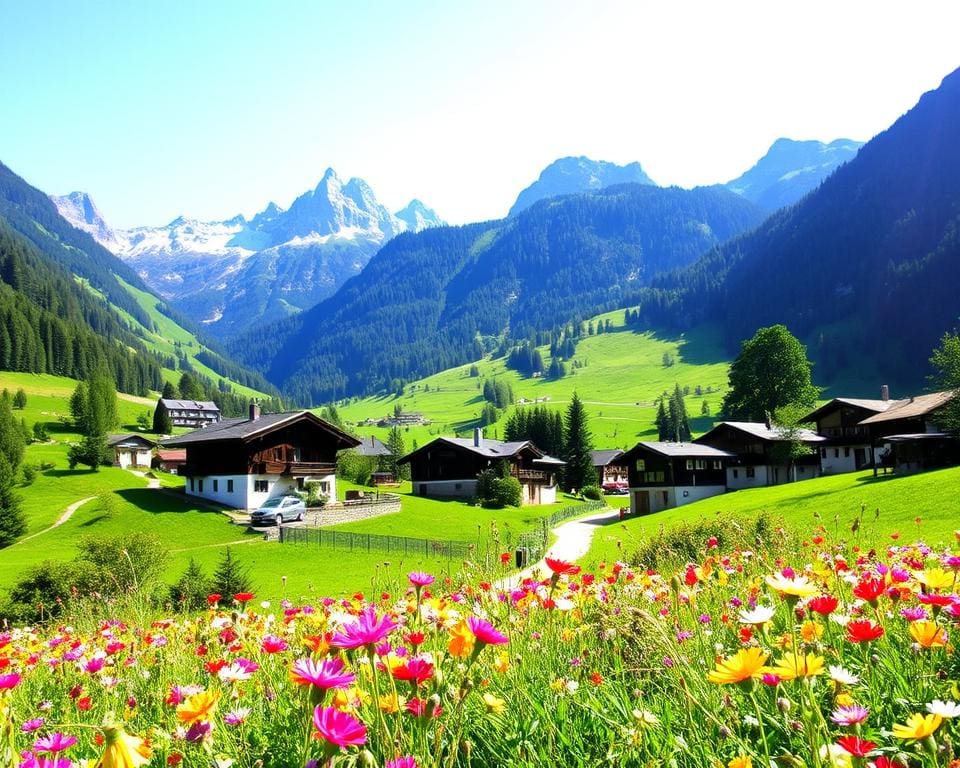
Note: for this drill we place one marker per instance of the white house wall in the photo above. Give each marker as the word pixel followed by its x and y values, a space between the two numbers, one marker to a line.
pixel 668 496
pixel 244 494
pixel 836 460
pixel 446 488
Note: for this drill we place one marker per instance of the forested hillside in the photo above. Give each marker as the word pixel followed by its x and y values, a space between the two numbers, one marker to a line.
pixel 441 297
pixel 866 267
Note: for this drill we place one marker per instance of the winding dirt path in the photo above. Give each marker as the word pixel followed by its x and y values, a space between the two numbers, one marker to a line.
pixel 572 542
pixel 67 513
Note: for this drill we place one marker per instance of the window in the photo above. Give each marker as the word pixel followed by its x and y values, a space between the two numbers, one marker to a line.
pixel 750 472
pixel 325 486
pixel 653 477
pixel 278 454
pixel 836 453
pixel 717 464
pixel 191 485
pixel 701 463
pixel 736 474
pixel 216 485
pixel 261 486
pixel 846 453
pixel 200 485
pixel 229 486
pixel 823 453
pixel 641 465
pixel 689 463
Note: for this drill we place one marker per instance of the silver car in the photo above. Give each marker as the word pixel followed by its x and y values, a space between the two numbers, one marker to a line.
pixel 279 509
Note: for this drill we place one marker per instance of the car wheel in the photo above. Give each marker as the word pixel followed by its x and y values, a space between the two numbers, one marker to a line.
pixel 299 517
pixel 279 520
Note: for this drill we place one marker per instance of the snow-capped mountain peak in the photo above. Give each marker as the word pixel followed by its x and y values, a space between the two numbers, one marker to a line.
pixel 79 209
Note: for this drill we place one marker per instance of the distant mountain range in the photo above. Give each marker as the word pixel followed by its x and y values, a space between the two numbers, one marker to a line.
pixel 231 275
pixel 866 267
pixel 444 296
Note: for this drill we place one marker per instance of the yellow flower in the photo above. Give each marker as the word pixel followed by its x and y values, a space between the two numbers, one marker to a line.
pixel 461 640
pixel 391 703
pixel 796 665
pixel 811 630
pixel 741 761
pixel 502 663
pixel 918 726
pixel 936 578
pixel 346 699
pixel 844 700
pixel 495 705
pixel 197 707
pixel 743 665
pixel 929 634
pixel 123 750
pixel 798 586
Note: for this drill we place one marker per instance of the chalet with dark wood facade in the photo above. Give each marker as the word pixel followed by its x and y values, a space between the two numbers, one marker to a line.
pixel 243 462
pixel 666 475
pixel 448 467
pixel 611 470
pixel 190 413
pixel 907 437
pixel 846 446
pixel 757 446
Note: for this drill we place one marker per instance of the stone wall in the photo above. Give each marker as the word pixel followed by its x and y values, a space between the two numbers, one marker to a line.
pixel 351 511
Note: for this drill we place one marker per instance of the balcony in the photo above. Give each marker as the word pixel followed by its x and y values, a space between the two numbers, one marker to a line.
pixel 295 468
pixel 530 475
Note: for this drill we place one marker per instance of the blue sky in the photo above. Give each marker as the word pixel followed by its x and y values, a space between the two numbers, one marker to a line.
pixel 209 109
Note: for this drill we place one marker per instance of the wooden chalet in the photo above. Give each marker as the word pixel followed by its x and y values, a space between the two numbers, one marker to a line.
pixel 243 462
pixel 664 475
pixel 846 446
pixel 131 450
pixel 190 413
pixel 611 470
pixel 171 460
pixel 907 437
pixel 448 467
pixel 756 448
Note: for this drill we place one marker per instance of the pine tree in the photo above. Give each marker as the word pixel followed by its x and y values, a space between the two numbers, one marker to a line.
pixel 169 391
pixel 20 399
pixel 230 577
pixel 662 422
pixel 162 423
pixel 191 590
pixel 397 450
pixel 13 522
pixel 578 443
pixel 679 420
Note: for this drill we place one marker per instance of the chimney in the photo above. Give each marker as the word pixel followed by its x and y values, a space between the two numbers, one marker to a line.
pixel 884 393
pixel 254 411
pixel 478 437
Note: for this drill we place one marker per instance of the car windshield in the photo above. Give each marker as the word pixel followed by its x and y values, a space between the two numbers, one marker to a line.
pixel 270 503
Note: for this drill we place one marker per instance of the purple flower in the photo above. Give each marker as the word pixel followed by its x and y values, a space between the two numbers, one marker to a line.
pixel 485 632
pixel 366 631
pixel 420 579
pixel 915 613
pixel 32 725
pixel 199 731
pixel 704 618
pixel 667 662
pixel 326 674
pixel 55 742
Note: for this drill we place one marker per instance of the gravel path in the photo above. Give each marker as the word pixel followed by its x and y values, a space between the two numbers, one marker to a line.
pixel 67 513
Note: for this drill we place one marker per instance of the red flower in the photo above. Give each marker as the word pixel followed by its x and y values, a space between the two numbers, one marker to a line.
pixel 416 671
pixel 214 598
pixel 863 631
pixel 561 567
pixel 856 746
pixel 243 597
pixel 823 604
pixel 504 558
pixel 596 678
pixel 213 667
pixel 414 638
pixel 869 588
pixel 84 703
pixel 690 576
pixel 175 759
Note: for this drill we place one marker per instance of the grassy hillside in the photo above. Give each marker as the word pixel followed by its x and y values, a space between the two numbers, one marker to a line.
pixel 620 376
pixel 913 507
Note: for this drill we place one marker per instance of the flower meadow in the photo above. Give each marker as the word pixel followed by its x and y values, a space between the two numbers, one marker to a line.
pixel 841 657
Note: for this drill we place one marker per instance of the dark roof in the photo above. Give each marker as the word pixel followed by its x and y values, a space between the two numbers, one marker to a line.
pixel 604 457
pixel 489 449
pixel 129 438
pixel 914 407
pixel 372 446
pixel 875 406
pixel 678 450
pixel 190 405
pixel 245 429
pixel 762 431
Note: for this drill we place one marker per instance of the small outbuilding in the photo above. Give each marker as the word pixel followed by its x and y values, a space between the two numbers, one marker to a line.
pixel 131 450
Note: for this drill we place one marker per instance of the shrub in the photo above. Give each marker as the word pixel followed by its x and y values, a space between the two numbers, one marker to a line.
pixel 45 591
pixel 592 492
pixel 29 472
pixel 498 492
pixel 191 590
pixel 40 433
pixel 127 562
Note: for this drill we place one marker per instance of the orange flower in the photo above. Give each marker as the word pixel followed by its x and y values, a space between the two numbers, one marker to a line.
pixel 745 664
pixel 461 640
pixel 198 707
pixel 928 634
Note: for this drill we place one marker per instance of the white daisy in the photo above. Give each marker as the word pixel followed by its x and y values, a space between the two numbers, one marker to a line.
pixel 758 616
pixel 946 709
pixel 842 676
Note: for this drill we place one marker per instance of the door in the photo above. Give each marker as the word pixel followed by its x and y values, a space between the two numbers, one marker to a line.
pixel 859 457
pixel 642 501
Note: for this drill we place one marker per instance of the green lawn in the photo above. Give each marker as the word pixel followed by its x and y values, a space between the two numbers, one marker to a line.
pixel 621 375
pixel 835 502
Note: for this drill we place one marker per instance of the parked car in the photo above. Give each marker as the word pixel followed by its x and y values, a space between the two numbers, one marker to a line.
pixel 616 489
pixel 279 509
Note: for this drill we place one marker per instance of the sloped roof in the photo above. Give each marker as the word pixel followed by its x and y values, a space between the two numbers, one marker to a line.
pixel 489 449
pixel 921 405
pixel 684 450
pixel 190 405
pixel 129 438
pixel 172 454
pixel 602 458
pixel 372 446
pixel 877 406
pixel 244 429
pixel 763 431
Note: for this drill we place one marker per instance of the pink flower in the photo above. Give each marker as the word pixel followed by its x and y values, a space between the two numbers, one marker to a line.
pixel 420 579
pixel 401 762
pixel 850 715
pixel 31 760
pixel 273 644
pixel 367 631
pixel 329 673
pixel 32 725
pixel 339 728
pixel 485 632
pixel 9 681
pixel 55 742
